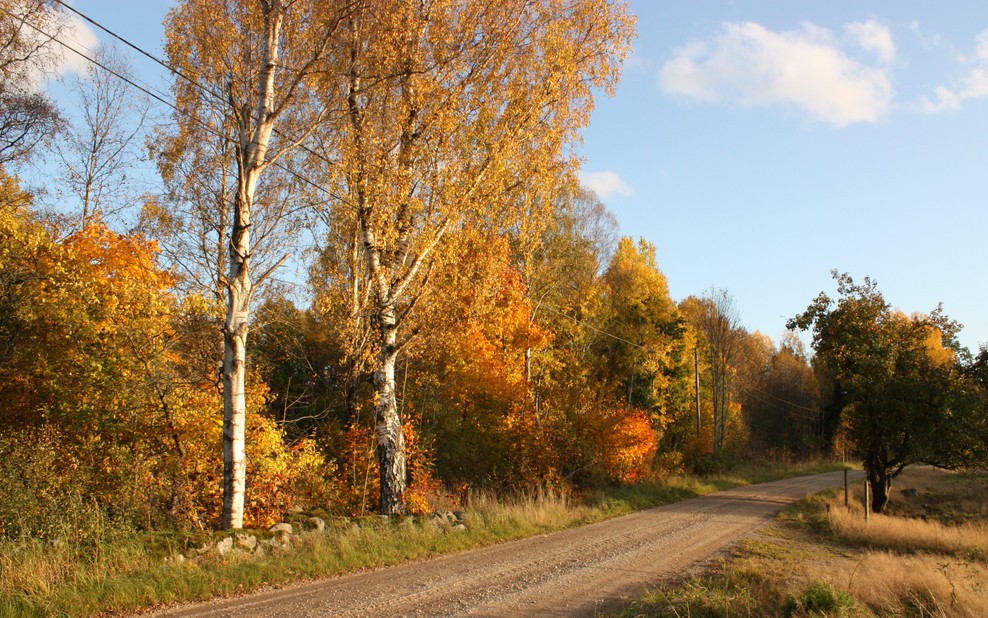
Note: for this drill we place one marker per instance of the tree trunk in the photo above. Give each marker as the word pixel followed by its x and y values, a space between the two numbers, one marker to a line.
pixel 390 436
pixel 254 137
pixel 881 484
pixel 235 403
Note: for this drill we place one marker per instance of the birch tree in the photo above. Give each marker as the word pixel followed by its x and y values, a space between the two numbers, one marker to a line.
pixel 452 107
pixel 100 147
pixel 27 117
pixel 248 68
pixel 716 317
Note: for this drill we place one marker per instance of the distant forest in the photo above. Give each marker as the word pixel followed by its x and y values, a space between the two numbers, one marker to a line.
pixel 346 262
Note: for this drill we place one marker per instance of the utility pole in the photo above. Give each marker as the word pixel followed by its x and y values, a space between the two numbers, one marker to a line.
pixel 696 368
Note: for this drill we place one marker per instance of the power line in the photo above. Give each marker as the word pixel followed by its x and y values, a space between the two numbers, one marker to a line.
pixel 138 49
pixel 146 89
pixel 802 415
pixel 793 404
pixel 594 328
pixel 191 80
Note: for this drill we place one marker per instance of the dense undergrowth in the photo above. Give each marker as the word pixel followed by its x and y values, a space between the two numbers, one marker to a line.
pixel 90 566
pixel 926 557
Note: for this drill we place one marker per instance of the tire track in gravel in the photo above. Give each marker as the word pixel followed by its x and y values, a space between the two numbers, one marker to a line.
pixel 575 572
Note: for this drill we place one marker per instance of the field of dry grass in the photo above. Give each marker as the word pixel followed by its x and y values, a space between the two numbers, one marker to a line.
pixel 927 556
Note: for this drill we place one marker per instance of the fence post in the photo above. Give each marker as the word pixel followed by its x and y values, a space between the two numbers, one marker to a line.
pixel 867 501
pixel 847 501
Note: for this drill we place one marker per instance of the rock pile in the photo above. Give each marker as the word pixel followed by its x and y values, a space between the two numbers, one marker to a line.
pixel 286 534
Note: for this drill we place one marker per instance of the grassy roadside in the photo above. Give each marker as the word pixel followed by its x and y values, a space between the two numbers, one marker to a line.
pixel 110 571
pixel 927 556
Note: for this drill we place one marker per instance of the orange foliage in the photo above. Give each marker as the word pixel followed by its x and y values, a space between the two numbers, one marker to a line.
pixel 629 448
pixel 357 470
pixel 98 358
pixel 359 483
pixel 424 491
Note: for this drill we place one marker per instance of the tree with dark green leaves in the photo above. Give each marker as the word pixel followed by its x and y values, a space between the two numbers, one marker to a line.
pixel 901 390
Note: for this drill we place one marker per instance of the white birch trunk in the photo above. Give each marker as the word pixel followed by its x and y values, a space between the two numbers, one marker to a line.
pixel 390 435
pixel 234 399
pixel 254 139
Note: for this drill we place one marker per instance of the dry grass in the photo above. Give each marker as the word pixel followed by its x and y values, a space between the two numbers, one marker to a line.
pixel 920 585
pixel 39 578
pixel 124 571
pixel 926 558
pixel 907 535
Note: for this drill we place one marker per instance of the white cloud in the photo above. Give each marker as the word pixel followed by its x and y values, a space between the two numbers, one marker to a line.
pixel 606 184
pixel 56 40
pixel 972 85
pixel 982 48
pixel 874 37
pixel 77 35
pixel 927 41
pixel 752 66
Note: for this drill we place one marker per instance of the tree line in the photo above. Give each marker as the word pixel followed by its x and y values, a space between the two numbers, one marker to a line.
pixel 467 317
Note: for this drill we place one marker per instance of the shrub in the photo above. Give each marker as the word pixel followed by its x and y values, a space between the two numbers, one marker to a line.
pixel 819 599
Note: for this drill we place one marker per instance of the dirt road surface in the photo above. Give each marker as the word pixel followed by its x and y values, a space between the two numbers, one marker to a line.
pixel 577 572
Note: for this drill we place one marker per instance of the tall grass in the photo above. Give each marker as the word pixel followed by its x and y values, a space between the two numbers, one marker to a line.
pixel 925 557
pixel 908 535
pixel 887 583
pixel 41 578
pixel 102 567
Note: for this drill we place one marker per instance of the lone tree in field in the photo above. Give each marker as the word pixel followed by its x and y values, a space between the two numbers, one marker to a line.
pixel 899 386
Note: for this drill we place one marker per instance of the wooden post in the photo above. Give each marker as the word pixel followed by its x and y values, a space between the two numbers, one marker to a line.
pixel 847 501
pixel 867 486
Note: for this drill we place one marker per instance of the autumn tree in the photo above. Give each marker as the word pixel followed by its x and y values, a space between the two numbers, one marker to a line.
pixel 82 314
pixel 781 401
pixel 715 317
pixel 452 106
pixel 100 146
pixel 645 351
pixel 27 117
pixel 897 383
pixel 248 70
pixel 560 255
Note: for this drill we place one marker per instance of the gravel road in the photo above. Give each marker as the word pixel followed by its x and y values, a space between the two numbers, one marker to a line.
pixel 577 572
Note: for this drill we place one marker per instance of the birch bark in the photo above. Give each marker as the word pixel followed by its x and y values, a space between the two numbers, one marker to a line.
pixel 251 150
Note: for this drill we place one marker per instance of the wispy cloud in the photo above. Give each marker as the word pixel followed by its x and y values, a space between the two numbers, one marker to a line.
pixel 60 43
pixel 606 184
pixel 749 65
pixel 973 84
pixel 928 41
pixel 79 36
pixel 873 37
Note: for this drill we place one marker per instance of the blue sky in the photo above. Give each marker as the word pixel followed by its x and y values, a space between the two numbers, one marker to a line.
pixel 760 144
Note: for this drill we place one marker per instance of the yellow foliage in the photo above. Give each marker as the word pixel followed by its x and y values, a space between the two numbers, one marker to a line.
pixel 278 474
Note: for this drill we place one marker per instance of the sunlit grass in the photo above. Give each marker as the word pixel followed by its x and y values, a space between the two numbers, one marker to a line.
pixel 925 557
pixel 126 572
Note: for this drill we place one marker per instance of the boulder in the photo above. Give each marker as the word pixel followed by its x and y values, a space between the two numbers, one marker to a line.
pixel 283 528
pixel 246 541
pixel 224 547
pixel 316 523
